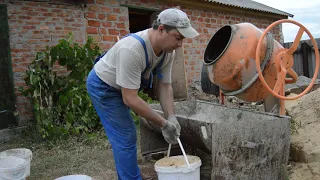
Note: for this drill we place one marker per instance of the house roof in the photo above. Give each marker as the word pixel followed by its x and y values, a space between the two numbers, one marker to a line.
pixel 252 5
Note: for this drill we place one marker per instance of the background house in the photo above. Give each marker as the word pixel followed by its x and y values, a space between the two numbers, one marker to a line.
pixel 29 26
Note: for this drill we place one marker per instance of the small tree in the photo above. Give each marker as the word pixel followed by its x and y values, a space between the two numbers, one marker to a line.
pixel 61 103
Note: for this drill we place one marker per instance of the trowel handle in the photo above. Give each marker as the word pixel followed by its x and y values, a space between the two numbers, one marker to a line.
pixel 184 153
pixel 169 149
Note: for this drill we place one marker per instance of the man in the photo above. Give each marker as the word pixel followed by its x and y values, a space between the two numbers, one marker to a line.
pixel 116 78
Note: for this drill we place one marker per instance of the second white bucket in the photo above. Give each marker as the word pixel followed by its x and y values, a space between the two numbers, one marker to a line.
pixel 23 153
pixel 175 167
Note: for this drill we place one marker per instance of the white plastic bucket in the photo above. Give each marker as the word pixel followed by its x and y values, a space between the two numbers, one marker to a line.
pixel 75 177
pixel 23 153
pixel 13 168
pixel 175 167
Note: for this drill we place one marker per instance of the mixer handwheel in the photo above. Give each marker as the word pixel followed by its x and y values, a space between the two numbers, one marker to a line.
pixel 284 62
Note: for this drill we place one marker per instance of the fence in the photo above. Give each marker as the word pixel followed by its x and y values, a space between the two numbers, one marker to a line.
pixel 304 58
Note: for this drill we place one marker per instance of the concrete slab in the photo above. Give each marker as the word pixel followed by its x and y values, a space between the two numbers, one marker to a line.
pixel 242 143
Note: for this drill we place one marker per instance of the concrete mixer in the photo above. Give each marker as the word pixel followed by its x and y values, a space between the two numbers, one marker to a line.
pixel 237 55
pixel 234 143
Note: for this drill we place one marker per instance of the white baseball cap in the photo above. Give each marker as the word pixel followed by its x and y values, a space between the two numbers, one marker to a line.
pixel 178 19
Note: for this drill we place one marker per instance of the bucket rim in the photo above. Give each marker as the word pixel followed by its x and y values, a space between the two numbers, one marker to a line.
pixel 175 169
pixel 27 153
pixel 74 176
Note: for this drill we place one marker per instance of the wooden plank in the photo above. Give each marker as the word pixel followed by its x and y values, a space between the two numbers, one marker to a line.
pixel 179 83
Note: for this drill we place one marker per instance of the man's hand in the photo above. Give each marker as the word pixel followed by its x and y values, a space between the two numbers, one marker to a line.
pixel 174 120
pixel 169 132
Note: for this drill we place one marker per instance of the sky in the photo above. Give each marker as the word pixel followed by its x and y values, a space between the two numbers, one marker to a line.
pixel 306 13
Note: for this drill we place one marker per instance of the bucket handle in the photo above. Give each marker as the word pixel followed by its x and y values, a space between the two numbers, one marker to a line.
pixel 183 152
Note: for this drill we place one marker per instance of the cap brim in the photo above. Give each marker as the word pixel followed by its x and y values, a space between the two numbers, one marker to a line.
pixel 188 32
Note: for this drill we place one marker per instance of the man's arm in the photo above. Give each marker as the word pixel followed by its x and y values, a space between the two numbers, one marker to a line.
pixel 139 106
pixel 165 94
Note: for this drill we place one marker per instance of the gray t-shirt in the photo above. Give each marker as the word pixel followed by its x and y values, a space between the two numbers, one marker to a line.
pixel 124 63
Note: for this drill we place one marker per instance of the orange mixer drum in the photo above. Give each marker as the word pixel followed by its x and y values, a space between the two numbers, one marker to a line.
pixel 230 61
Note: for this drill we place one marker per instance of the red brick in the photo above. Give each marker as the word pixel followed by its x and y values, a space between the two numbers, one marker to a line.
pixel 107 24
pixel 101 16
pixel 39 18
pixel 49 14
pixel 77 25
pixel 123 32
pixel 41 9
pixel 44 27
pixel 92 30
pixel 111 17
pixel 121 25
pixel 38 32
pixel 24 17
pixel 103 31
pixel 32 22
pixel 113 32
pixel 29 27
pixel 113 2
pixel 123 18
pixel 108 38
pixel 106 9
pixel 93 8
pixel 18 69
pixel 57 10
pixel 63 15
pixel 26 8
pixel 90 15
pixel 56 19
pixel 69 20
pixel 33 4
pixel 100 1
pixel 188 12
pixel 93 23
pixel 116 10
pixel 50 23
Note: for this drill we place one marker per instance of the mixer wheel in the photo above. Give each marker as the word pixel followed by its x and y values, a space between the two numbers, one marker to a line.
pixel 284 62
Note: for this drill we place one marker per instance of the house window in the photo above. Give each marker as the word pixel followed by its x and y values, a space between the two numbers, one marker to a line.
pixel 141 18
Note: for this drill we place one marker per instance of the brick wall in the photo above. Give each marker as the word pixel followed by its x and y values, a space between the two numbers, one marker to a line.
pixel 34 25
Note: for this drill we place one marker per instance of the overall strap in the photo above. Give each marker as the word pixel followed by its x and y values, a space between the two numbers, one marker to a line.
pixel 145 50
pixel 157 70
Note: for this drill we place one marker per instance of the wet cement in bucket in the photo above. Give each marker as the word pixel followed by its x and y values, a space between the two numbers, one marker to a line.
pixel 176 161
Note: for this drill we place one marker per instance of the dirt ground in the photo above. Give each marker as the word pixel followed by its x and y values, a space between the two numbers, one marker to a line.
pixel 91 156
